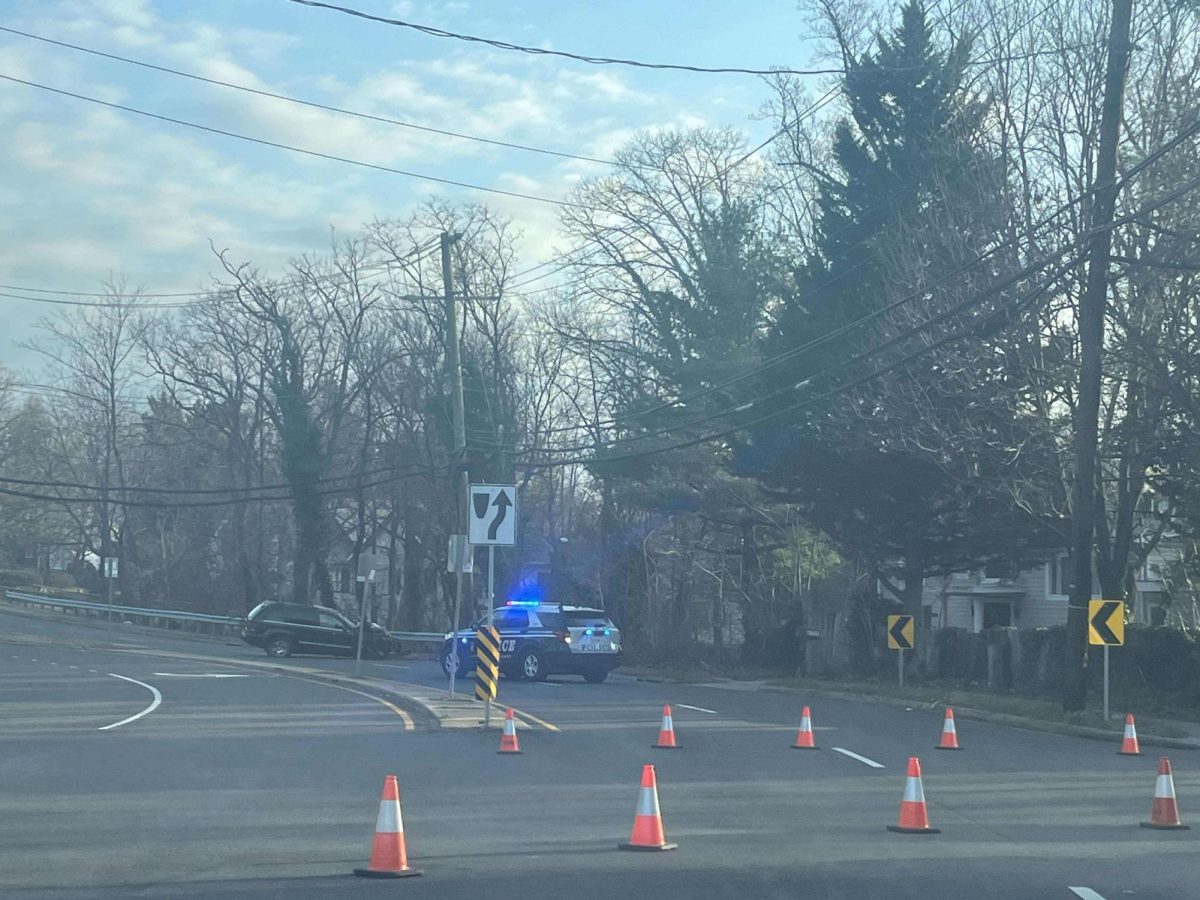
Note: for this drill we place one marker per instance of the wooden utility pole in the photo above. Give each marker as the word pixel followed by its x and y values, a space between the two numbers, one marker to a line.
pixel 1091 347
pixel 459 480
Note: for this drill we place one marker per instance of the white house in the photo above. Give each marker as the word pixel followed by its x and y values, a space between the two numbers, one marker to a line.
pixel 1037 596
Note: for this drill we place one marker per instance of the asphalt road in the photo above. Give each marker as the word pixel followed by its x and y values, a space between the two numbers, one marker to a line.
pixel 171 782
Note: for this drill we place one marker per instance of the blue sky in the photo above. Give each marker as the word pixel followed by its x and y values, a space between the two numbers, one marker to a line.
pixel 87 192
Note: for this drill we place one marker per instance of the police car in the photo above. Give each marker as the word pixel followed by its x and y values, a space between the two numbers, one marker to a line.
pixel 539 639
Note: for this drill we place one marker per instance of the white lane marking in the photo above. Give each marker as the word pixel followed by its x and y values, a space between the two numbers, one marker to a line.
pixel 869 762
pixel 1084 893
pixel 198 675
pixel 711 712
pixel 93 671
pixel 391 666
pixel 145 712
pixel 72 667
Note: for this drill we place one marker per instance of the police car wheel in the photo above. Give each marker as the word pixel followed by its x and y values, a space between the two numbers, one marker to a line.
pixel 447 663
pixel 532 666
pixel 595 676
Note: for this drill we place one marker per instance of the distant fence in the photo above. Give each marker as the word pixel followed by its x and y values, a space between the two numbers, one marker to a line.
pixel 170 618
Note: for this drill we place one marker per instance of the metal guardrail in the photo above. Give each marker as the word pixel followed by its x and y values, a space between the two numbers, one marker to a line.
pixel 172 615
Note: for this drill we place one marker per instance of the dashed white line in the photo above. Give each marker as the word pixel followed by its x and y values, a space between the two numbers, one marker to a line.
pixel 864 760
pixel 145 712
pixel 1085 893
pixel 711 712
pixel 72 667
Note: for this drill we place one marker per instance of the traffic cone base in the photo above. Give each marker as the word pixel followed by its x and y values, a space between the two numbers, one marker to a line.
pixel 508 739
pixel 389 858
pixel 900 829
pixel 393 873
pixel 647 848
pixel 804 737
pixel 1178 827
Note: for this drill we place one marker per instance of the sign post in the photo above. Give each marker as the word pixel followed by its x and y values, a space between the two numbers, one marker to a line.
pixel 459 561
pixel 1106 627
pixel 362 583
pixel 492 517
pixel 110 576
pixel 900 637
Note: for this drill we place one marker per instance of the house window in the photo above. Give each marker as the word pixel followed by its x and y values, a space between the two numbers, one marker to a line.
pixel 1059 576
pixel 999 570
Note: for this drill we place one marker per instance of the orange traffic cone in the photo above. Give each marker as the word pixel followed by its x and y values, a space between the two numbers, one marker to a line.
pixel 804 737
pixel 666 734
pixel 1164 814
pixel 1129 744
pixel 389 859
pixel 949 735
pixel 647 822
pixel 914 817
pixel 508 738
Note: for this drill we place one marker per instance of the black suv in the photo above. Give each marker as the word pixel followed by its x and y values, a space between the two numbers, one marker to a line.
pixel 286 628
pixel 540 639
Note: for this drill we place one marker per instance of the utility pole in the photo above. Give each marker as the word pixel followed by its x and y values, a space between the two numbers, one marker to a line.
pixel 459 470
pixel 1091 346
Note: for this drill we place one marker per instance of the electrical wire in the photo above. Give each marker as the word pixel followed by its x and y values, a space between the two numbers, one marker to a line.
pixel 577 57
pixel 290 147
pixel 310 103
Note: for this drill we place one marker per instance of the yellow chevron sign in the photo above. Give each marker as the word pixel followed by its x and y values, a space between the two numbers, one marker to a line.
pixel 487 663
pixel 1106 622
pixel 900 632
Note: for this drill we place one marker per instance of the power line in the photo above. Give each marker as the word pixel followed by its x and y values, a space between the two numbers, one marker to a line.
pixel 289 147
pixel 198 297
pixel 562 54
pixel 311 103
pixel 1179 192
pixel 775 414
pixel 595 60
pixel 1183 135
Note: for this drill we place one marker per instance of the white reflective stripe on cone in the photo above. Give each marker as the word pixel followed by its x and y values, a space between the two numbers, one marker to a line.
pixel 647 802
pixel 949 727
pixel 1129 732
pixel 805 724
pixel 668 724
pixel 389 821
pixel 1164 788
pixel 913 792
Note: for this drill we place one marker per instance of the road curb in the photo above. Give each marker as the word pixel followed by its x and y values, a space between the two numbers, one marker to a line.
pixel 967 712
pixel 997 718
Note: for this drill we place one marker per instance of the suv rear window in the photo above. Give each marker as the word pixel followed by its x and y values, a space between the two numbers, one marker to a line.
pixel 552 620
pixel 587 618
